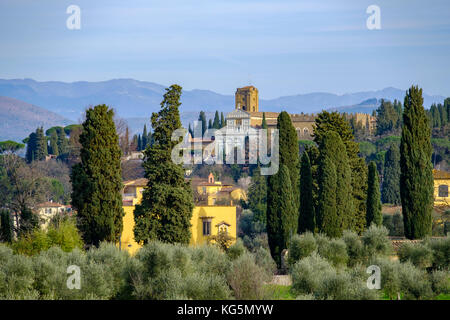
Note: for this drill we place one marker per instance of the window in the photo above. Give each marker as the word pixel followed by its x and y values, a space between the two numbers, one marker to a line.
pixel 206 228
pixel 305 131
pixel 443 191
pixel 48 210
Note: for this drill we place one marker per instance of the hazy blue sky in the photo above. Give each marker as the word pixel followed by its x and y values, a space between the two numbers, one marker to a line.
pixel 281 46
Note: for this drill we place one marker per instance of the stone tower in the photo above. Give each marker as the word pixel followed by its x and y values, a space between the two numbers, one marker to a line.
pixel 246 99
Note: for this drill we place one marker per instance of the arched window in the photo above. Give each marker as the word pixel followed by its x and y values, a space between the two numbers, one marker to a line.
pixel 305 132
pixel 443 190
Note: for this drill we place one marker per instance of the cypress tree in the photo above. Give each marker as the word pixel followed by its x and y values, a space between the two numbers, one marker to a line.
pixel 41 144
pixel 62 141
pixel 216 123
pixel 306 220
pixel 281 213
pixel 257 196
pixel 288 146
pixel 6 226
pixel 167 201
pixel 334 121
pixel 373 211
pixel 391 179
pixel 54 143
pixel 210 125
pixel 416 178
pixel 327 218
pixel 202 120
pixel 31 147
pixel 139 142
pixel 190 131
pixel 264 122
pixel 222 120
pixel 96 181
pixel 144 141
pixel 332 149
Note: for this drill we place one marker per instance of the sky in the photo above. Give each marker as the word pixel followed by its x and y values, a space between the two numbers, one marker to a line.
pixel 283 47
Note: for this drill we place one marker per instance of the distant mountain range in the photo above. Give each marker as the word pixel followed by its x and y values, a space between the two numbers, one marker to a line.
pixel 63 103
pixel 18 119
pixel 132 98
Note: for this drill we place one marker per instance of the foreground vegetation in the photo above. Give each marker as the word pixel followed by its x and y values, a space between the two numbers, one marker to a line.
pixel 320 268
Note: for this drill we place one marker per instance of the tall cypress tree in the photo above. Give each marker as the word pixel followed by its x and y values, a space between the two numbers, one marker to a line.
pixel 391 179
pixel 334 121
pixel 31 147
pixel 416 178
pixel 54 143
pixel 41 144
pixel 257 196
pixel 327 218
pixel 144 141
pixel 62 141
pixel 222 120
pixel 96 181
pixel 373 211
pixel 139 142
pixel 167 201
pixel 332 149
pixel 288 146
pixel 281 212
pixel 216 123
pixel 202 121
pixel 264 122
pixel 306 220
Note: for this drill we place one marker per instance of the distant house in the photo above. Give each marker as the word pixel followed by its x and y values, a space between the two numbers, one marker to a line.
pixel 441 186
pixel 49 209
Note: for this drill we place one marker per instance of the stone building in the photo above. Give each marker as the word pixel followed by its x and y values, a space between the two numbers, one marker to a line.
pixel 247 102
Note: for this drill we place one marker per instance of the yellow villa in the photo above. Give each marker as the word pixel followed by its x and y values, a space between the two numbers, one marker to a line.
pixel 441 186
pixel 208 219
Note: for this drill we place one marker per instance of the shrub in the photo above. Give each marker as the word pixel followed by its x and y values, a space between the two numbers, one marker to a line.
pixel 206 287
pixel 414 283
pixel 355 248
pixel 210 260
pixel 264 259
pixel 308 274
pixel 16 278
pixel 246 278
pixel 376 241
pixel 65 236
pixel 301 247
pixel 236 250
pixel 418 254
pixel 390 281
pixel 440 282
pixel 335 251
pixel 114 262
pixel 342 286
pixel 441 252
